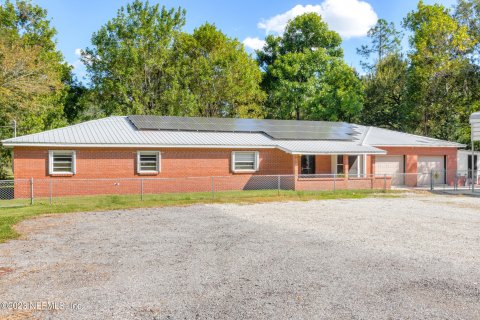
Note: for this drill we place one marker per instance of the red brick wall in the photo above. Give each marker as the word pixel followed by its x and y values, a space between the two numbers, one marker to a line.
pixel 94 163
pixel 118 165
pixel 323 164
pixel 314 184
pixel 411 157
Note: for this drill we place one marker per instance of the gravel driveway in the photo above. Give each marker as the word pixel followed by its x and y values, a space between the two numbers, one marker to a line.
pixel 376 258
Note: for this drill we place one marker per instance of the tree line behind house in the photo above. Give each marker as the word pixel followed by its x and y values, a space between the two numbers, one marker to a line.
pixel 142 62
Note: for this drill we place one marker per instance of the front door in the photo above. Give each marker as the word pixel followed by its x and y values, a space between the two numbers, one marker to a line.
pixel 308 164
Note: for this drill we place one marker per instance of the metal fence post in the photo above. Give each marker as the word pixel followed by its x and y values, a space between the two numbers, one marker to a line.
pixel 213 187
pixel 141 189
pixel 31 191
pixel 334 182
pixel 278 185
pixel 384 182
pixel 431 179
pixel 51 191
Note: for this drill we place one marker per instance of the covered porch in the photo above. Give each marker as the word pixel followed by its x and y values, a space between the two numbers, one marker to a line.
pixel 337 171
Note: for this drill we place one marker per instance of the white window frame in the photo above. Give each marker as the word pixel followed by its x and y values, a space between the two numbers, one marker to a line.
pixel 146 152
pixel 361 165
pixel 51 154
pixel 255 164
pixel 335 164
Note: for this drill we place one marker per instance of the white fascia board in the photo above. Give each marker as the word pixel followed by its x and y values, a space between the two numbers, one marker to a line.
pixel 339 153
pixel 63 145
pixel 459 145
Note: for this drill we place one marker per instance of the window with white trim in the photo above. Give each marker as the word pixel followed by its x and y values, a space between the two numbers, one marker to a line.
pixel 339 164
pixel 61 162
pixel 148 161
pixel 244 161
pixel 356 165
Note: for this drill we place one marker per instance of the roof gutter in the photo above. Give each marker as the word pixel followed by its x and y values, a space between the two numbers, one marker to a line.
pixel 417 146
pixel 340 153
pixel 100 145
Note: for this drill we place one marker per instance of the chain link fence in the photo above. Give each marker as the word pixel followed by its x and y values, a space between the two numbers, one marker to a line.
pixel 20 192
pixel 438 180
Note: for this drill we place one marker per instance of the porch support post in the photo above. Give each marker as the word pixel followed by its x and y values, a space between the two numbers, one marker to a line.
pixel 372 163
pixel 345 166
pixel 296 168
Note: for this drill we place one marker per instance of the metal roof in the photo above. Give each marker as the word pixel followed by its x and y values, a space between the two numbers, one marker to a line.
pixel 118 131
pixel 276 129
pixel 380 137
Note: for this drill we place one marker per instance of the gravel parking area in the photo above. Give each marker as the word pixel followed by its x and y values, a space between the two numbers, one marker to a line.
pixel 376 258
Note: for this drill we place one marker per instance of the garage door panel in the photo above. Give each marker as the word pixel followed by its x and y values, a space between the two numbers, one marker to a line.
pixel 430 164
pixel 391 166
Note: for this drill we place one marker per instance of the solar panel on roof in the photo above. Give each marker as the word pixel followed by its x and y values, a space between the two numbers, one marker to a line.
pixel 277 129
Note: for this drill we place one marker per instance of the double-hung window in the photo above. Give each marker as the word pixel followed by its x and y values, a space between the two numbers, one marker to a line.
pixel 61 162
pixel 244 161
pixel 148 161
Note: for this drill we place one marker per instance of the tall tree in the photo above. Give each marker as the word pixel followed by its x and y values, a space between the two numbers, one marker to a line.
pixel 217 77
pixel 385 95
pixel 32 68
pixel 130 63
pixel 305 76
pixel 31 72
pixel 438 68
pixel 385 40
pixel 467 13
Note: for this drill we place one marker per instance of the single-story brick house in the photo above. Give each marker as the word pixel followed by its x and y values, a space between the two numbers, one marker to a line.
pixel 313 154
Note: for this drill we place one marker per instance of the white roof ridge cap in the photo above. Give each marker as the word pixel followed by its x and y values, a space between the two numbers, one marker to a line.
pixel 365 135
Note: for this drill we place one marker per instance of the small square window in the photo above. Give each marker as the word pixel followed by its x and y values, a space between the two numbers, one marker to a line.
pixel 244 161
pixel 61 162
pixel 148 162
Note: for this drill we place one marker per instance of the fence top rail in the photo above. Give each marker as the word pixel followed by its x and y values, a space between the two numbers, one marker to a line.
pixel 320 175
pixel 301 176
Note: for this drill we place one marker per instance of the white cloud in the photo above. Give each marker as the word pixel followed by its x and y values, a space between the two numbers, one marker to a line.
pixel 254 43
pixel 279 22
pixel 350 18
pixel 78 52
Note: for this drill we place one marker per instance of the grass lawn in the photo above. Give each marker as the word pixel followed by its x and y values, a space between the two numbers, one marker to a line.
pixel 20 210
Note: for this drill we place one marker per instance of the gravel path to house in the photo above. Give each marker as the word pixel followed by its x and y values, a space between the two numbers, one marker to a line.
pixel 377 258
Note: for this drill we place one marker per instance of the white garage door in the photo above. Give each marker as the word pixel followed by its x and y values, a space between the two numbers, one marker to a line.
pixel 428 165
pixel 391 166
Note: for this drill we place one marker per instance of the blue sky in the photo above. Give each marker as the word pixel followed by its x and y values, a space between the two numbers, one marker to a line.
pixel 75 21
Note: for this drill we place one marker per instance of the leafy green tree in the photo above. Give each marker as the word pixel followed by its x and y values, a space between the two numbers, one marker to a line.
pixel 31 72
pixel 217 77
pixel 439 69
pixel 75 98
pixel 385 40
pixel 31 68
pixel 385 95
pixel 305 76
pixel 467 13
pixel 130 63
